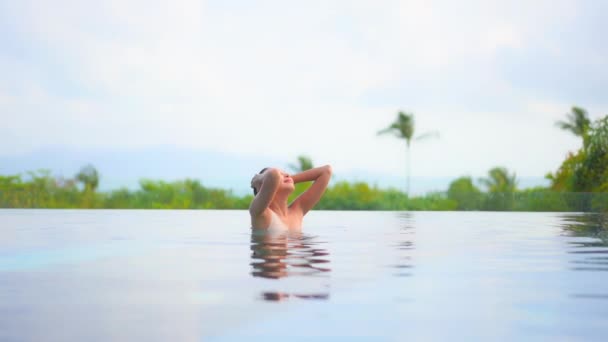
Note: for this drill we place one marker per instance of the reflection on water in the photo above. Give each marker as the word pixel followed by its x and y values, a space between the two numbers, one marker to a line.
pixel 404 246
pixel 280 255
pixel 588 255
pixel 594 225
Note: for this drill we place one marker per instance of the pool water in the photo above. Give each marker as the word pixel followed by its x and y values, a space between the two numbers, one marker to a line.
pixel 99 275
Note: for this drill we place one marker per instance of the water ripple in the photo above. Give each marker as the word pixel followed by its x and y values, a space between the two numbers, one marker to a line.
pixel 277 256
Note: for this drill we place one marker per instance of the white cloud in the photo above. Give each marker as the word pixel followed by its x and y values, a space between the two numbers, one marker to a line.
pixel 281 79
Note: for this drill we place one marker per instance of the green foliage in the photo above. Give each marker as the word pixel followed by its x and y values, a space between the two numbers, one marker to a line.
pixel 501 188
pixel 465 194
pixel 89 177
pixel 360 196
pixel 592 176
pixel 563 179
pixel 355 196
pixel 435 201
pixel 540 199
pixel 402 127
pixel 499 180
pixel 587 169
pixel 41 190
pixel 299 189
pixel 577 122
pixel 186 194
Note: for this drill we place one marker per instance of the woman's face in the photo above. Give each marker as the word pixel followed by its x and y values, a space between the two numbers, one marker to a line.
pixel 286 183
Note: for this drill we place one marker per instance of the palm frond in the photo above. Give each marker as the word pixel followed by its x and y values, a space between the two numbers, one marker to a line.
pixel 578 122
pixel 564 125
pixel 427 135
pixel 392 128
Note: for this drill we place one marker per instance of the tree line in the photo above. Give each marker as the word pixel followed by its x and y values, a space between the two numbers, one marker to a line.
pixel 41 190
pixel 580 183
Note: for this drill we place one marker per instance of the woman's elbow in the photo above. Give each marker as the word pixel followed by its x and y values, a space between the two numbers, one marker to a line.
pixel 273 174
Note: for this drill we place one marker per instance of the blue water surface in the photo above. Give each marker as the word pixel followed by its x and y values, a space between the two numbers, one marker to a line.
pixel 120 275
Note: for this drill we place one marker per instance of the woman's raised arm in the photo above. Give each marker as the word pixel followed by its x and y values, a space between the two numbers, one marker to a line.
pixel 267 184
pixel 308 199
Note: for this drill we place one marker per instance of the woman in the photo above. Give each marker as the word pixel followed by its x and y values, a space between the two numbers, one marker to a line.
pixel 271 188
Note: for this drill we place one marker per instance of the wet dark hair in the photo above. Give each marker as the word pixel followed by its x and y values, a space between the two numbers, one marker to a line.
pixel 255 191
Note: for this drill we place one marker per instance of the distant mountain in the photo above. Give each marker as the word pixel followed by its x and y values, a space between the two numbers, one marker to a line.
pixel 125 167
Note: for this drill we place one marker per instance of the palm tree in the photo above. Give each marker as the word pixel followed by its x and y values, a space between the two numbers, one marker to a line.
pixel 89 176
pixel 304 163
pixel 500 181
pixel 403 128
pixel 578 122
pixel 501 189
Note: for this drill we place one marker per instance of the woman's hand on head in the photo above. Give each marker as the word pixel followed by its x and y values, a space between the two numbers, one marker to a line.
pixel 258 179
pixel 267 185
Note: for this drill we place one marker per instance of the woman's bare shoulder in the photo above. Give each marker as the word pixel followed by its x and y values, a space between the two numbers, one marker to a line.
pixel 261 220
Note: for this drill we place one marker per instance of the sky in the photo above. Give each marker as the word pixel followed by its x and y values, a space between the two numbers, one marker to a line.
pixel 278 79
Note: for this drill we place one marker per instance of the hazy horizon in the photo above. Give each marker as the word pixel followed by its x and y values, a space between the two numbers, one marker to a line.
pixel 125 168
